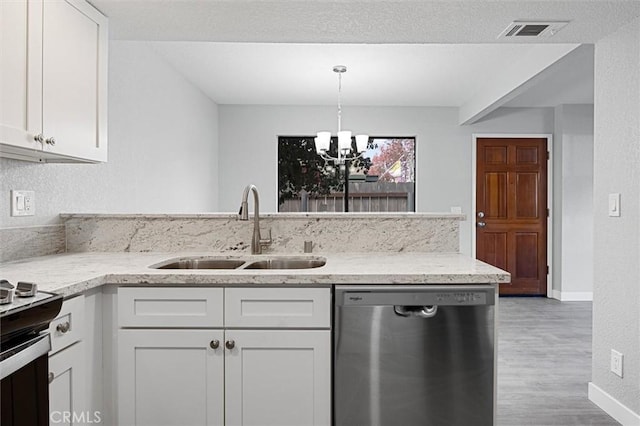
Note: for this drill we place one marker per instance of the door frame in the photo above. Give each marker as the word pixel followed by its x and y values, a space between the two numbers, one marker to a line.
pixel 472 214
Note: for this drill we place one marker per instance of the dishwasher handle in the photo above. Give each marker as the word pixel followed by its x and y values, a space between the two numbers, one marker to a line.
pixel 416 311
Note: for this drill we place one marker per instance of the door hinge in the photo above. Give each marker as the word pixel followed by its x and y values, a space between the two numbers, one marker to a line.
pixel 548 213
pixel 547 269
pixel 548 155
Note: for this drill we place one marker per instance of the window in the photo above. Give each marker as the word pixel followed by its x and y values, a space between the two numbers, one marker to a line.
pixel 383 180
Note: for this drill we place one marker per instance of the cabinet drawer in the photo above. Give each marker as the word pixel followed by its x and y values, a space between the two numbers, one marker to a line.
pixel 68 327
pixel 277 307
pixel 170 307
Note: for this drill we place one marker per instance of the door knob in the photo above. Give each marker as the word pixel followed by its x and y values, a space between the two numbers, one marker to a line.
pixel 215 344
pixel 481 224
pixel 230 344
pixel 480 215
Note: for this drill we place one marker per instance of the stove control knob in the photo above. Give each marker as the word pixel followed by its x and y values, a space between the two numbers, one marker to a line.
pixel 63 327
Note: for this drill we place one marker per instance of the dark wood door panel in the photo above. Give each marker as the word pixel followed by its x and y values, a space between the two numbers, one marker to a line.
pixel 494 249
pixel 494 195
pixel 511 200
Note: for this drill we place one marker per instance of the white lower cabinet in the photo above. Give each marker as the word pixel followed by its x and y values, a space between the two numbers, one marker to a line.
pixel 225 374
pixel 278 378
pixel 170 377
pixel 66 365
pixel 66 386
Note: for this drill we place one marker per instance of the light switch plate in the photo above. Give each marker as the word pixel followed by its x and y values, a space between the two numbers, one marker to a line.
pixel 616 362
pixel 614 205
pixel 456 210
pixel 23 203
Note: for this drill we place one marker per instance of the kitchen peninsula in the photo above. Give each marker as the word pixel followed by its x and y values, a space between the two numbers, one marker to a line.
pixel 211 346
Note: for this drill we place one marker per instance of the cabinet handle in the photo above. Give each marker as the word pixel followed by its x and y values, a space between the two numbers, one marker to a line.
pixel 63 327
pixel 39 138
pixel 215 344
pixel 230 344
pixel 51 376
pixel 50 141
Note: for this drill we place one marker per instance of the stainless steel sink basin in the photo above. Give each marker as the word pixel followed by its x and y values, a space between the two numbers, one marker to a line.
pixel 249 262
pixel 280 263
pixel 201 263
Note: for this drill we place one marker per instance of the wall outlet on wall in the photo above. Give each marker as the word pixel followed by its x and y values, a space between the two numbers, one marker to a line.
pixel 616 362
pixel 23 203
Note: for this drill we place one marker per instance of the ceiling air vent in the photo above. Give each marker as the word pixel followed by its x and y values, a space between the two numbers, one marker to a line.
pixel 532 29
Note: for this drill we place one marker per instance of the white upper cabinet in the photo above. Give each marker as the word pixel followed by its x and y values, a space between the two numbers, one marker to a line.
pixel 54 81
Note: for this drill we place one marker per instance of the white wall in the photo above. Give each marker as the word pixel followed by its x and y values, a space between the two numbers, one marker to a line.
pixel 616 289
pixel 248 147
pixel 573 202
pixel 162 149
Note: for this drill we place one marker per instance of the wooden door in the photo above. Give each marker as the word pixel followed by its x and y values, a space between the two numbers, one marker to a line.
pixel 511 210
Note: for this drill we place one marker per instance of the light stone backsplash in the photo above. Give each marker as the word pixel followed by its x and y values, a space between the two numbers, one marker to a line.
pixel 31 241
pixel 330 233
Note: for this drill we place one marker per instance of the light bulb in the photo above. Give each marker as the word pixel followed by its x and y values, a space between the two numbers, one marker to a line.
pixel 361 142
pixel 344 140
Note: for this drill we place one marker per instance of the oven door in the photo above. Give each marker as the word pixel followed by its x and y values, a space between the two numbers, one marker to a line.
pixel 24 386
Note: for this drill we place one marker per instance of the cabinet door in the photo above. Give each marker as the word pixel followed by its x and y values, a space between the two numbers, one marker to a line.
pixel 74 76
pixel 66 390
pixel 17 49
pixel 170 377
pixel 278 378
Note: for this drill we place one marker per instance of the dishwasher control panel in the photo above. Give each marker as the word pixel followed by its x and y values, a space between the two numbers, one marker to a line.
pixel 413 297
pixel 461 298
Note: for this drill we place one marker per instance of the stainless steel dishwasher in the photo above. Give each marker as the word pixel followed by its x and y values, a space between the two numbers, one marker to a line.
pixel 414 355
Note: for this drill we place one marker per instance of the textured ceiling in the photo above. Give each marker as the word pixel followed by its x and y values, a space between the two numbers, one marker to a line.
pixel 398 52
pixel 301 74
pixel 357 21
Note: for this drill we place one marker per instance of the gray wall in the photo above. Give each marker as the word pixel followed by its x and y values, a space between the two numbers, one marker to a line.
pixel 573 202
pixel 162 149
pixel 248 147
pixel 616 298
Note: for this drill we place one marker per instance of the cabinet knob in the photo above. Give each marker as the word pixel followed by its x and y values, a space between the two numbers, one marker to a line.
pixel 50 141
pixel 63 327
pixel 39 138
pixel 230 344
pixel 51 376
pixel 215 344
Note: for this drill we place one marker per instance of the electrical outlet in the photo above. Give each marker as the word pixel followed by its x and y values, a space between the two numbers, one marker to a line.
pixel 23 203
pixel 616 362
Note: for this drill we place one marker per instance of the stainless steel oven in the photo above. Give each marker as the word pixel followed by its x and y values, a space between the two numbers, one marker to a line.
pixel 25 314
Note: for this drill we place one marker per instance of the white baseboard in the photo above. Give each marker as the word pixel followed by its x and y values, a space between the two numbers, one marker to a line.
pixel 613 407
pixel 572 296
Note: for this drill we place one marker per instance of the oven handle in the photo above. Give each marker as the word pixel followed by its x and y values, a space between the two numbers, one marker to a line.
pixel 17 357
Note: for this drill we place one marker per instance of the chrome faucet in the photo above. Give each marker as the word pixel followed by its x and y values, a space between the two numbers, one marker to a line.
pixel 256 241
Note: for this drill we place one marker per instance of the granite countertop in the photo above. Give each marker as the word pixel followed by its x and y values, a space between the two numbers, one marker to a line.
pixel 72 273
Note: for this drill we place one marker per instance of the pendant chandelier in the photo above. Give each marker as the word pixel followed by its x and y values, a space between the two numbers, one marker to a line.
pixel 345 150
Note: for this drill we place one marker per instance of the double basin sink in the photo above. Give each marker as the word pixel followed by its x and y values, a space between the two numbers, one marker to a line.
pixel 272 262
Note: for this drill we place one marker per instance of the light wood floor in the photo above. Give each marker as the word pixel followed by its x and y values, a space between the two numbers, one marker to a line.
pixel 544 363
